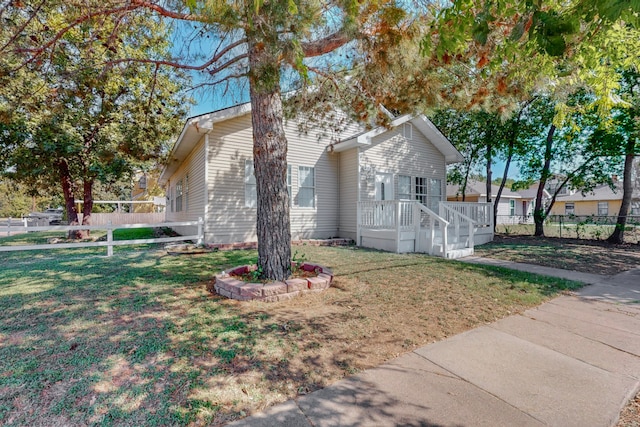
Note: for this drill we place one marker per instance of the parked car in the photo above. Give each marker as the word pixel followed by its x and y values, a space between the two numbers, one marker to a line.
pixel 53 215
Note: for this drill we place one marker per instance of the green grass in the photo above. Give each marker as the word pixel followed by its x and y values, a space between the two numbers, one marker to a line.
pixel 136 340
pixel 584 231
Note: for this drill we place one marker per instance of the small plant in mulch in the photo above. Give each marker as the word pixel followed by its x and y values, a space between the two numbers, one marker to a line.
pixel 298 271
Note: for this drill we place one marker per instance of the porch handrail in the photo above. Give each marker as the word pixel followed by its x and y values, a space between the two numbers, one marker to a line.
pixel 472 210
pixel 460 216
pixel 433 217
pixel 457 213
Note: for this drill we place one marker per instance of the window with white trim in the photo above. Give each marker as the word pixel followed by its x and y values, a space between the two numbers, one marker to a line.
pixel 569 208
pixel 512 207
pixel 635 208
pixel 421 189
pixel 250 192
pixel 186 192
pixel 306 187
pixel 289 180
pixel 179 196
pixel 407 130
pixel 435 193
pixel 603 208
pixel 404 187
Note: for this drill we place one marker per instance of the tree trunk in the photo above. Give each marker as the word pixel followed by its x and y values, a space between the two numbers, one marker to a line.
pixel 513 137
pixel 504 180
pixel 67 192
pixel 539 212
pixel 627 192
pixel 270 165
pixel 464 184
pixel 87 207
pixel 488 187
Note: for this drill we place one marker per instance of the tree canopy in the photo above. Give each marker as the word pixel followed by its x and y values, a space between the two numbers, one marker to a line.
pixel 86 118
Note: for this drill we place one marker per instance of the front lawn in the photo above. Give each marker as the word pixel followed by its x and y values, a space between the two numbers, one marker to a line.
pixel 137 340
pixel 587 256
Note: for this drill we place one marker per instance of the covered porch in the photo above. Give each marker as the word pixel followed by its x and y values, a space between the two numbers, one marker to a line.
pixel 409 226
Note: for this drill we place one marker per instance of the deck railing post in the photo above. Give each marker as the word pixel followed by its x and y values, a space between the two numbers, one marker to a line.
pixel 432 227
pixel 200 231
pixel 445 239
pixel 416 225
pixel 359 222
pixel 109 239
pixel 398 227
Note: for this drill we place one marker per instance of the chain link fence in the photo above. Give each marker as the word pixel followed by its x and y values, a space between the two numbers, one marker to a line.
pixel 588 227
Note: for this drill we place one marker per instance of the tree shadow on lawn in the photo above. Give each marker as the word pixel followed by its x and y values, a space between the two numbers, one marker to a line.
pixel 136 340
pixel 588 256
pixel 524 281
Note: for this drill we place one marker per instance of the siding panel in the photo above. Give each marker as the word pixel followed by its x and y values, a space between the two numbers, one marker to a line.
pixel 348 193
pixel 391 152
pixel 193 166
pixel 231 144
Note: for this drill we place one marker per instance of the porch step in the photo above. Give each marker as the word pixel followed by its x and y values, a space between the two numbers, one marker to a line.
pixel 459 253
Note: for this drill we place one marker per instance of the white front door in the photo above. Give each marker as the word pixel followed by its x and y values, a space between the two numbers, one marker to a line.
pixel 384 186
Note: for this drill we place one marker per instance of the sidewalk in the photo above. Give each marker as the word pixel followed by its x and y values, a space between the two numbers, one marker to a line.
pixel 573 361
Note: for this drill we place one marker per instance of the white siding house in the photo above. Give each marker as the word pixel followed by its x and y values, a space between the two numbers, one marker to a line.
pixel 210 174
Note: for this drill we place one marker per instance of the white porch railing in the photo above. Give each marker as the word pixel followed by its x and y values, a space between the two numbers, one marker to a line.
pixel 429 220
pixel 480 213
pixel 386 215
pixel 394 224
pixel 458 220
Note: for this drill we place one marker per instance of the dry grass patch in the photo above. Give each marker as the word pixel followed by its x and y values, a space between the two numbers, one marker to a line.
pixel 587 256
pixel 137 339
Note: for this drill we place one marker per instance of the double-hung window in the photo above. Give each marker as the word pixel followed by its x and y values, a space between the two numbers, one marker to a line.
pixel 603 208
pixel 289 180
pixel 635 208
pixel 306 187
pixel 569 208
pixel 186 192
pixel 512 207
pixel 179 196
pixel 250 192
pixel 404 187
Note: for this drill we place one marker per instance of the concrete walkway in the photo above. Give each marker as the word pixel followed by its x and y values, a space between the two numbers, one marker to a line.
pixel 573 361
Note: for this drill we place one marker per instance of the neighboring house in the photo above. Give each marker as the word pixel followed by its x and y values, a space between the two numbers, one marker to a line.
pixel 556 181
pixel 529 200
pixel 144 201
pixel 602 201
pixel 210 174
pixel 513 208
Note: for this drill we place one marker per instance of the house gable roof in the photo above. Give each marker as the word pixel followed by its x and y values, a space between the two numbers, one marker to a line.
pixel 602 194
pixel 194 128
pixel 532 192
pixel 421 122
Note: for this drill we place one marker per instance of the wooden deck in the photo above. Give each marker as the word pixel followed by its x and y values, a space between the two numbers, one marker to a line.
pixel 408 226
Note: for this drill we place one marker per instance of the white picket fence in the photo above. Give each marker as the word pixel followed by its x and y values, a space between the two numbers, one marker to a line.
pixel 125 218
pixel 109 243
